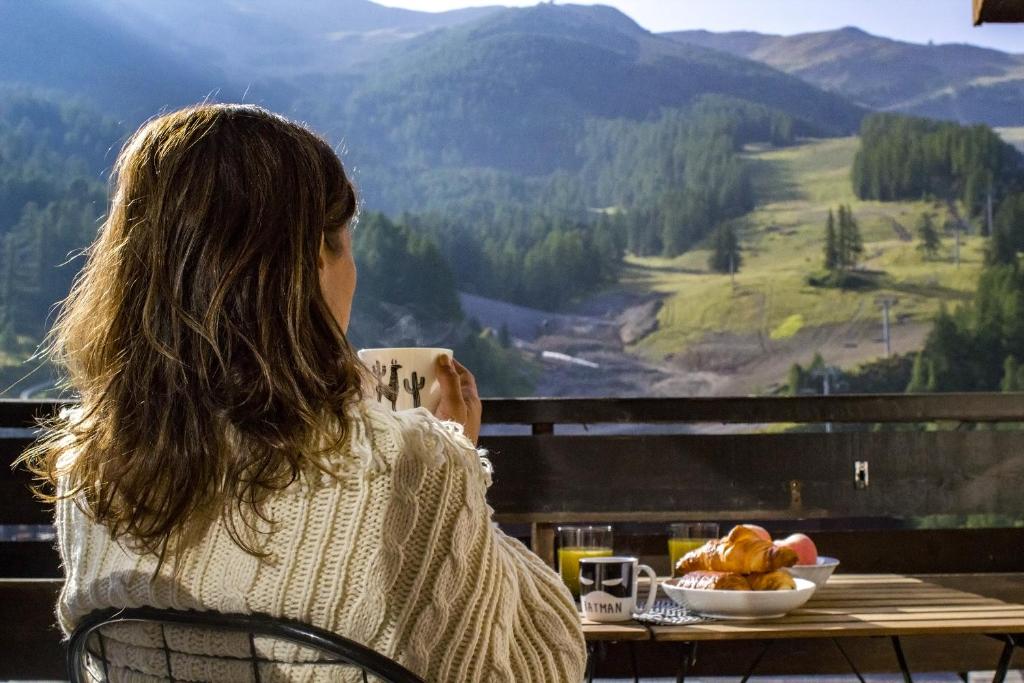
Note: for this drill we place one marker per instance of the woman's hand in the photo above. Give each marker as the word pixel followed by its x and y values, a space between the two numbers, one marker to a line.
pixel 459 399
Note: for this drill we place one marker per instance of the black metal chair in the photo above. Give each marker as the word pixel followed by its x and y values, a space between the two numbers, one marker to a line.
pixel 88 645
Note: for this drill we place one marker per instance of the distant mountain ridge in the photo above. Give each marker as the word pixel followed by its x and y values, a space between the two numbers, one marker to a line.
pixel 959 82
pixel 513 90
pixel 72 49
pixel 270 38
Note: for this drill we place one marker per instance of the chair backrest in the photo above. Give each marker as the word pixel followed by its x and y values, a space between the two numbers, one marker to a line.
pixel 88 658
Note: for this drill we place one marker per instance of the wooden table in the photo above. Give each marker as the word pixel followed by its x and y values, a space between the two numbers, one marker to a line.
pixel 857 605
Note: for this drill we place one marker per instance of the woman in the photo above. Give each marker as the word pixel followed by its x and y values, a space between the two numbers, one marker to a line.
pixel 222 457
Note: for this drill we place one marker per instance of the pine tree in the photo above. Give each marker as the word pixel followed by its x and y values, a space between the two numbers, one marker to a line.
pixel 725 257
pixel 1001 248
pixel 932 383
pixel 929 236
pixel 848 241
pixel 917 375
pixel 795 379
pixel 842 239
pixel 922 377
pixel 853 246
pixel 1011 375
pixel 817 363
pixel 831 244
pixel 1009 219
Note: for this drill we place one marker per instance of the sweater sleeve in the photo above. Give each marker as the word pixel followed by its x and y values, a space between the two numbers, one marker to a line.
pixel 506 616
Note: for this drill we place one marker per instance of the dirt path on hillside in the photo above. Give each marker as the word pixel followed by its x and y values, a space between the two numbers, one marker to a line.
pixel 596 332
pixel 718 365
pixel 745 368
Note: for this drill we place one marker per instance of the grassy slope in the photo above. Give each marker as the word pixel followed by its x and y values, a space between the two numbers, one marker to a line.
pixel 783 241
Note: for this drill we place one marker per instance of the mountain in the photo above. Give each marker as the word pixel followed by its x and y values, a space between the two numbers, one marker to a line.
pixel 959 82
pixel 515 89
pixel 270 38
pixel 66 47
pixel 494 95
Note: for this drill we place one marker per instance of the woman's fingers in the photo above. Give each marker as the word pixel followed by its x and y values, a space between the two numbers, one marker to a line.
pixel 474 408
pixel 450 379
pixel 459 399
pixel 466 378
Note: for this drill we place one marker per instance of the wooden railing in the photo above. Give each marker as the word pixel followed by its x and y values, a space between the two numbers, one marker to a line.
pixel 640 463
pixel 926 455
pixel 577 460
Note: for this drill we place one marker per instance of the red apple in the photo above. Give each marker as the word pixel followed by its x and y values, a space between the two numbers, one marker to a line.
pixel 761 532
pixel 803 546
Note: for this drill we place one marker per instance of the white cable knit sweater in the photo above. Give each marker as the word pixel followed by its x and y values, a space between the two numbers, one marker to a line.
pixel 398 552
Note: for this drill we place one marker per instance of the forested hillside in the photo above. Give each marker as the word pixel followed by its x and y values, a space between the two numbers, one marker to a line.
pixel 55 157
pixel 980 346
pixel 674 179
pixel 513 92
pixel 977 346
pixel 913 158
pixel 407 297
pixel 558 157
pixel 52 157
pixel 657 187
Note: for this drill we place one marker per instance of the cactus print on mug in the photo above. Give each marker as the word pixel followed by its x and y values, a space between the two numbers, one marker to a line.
pixel 403 378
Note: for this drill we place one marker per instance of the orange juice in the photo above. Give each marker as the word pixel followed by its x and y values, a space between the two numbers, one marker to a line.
pixel 569 564
pixel 677 547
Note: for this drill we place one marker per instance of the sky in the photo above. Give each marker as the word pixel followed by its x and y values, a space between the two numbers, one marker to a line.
pixel 917 21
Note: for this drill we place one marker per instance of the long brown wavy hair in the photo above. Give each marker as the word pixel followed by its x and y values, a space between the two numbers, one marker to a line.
pixel 209 368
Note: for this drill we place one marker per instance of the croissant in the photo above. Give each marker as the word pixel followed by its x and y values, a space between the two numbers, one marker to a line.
pixel 778 580
pixel 742 552
pixel 721 581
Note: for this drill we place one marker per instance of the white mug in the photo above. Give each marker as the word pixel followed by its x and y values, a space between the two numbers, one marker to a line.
pixel 403 378
pixel 608 587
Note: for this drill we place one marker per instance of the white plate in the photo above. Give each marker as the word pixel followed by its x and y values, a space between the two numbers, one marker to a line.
pixel 818 573
pixel 741 604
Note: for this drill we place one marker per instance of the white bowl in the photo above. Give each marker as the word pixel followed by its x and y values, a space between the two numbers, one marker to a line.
pixel 741 604
pixel 818 573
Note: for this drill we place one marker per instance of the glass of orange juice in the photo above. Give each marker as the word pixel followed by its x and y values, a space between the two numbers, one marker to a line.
pixel 575 542
pixel 686 536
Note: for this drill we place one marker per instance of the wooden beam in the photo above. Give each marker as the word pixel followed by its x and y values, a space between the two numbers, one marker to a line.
pixel 553 479
pixel 912 473
pixel 851 408
pixel 543 412
pixel 998 11
pixel 29 560
pixel 25 413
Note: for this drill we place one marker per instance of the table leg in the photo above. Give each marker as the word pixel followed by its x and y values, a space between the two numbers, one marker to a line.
pixel 632 661
pixel 1009 642
pixel 757 660
pixel 848 660
pixel 591 661
pixel 687 657
pixel 904 669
